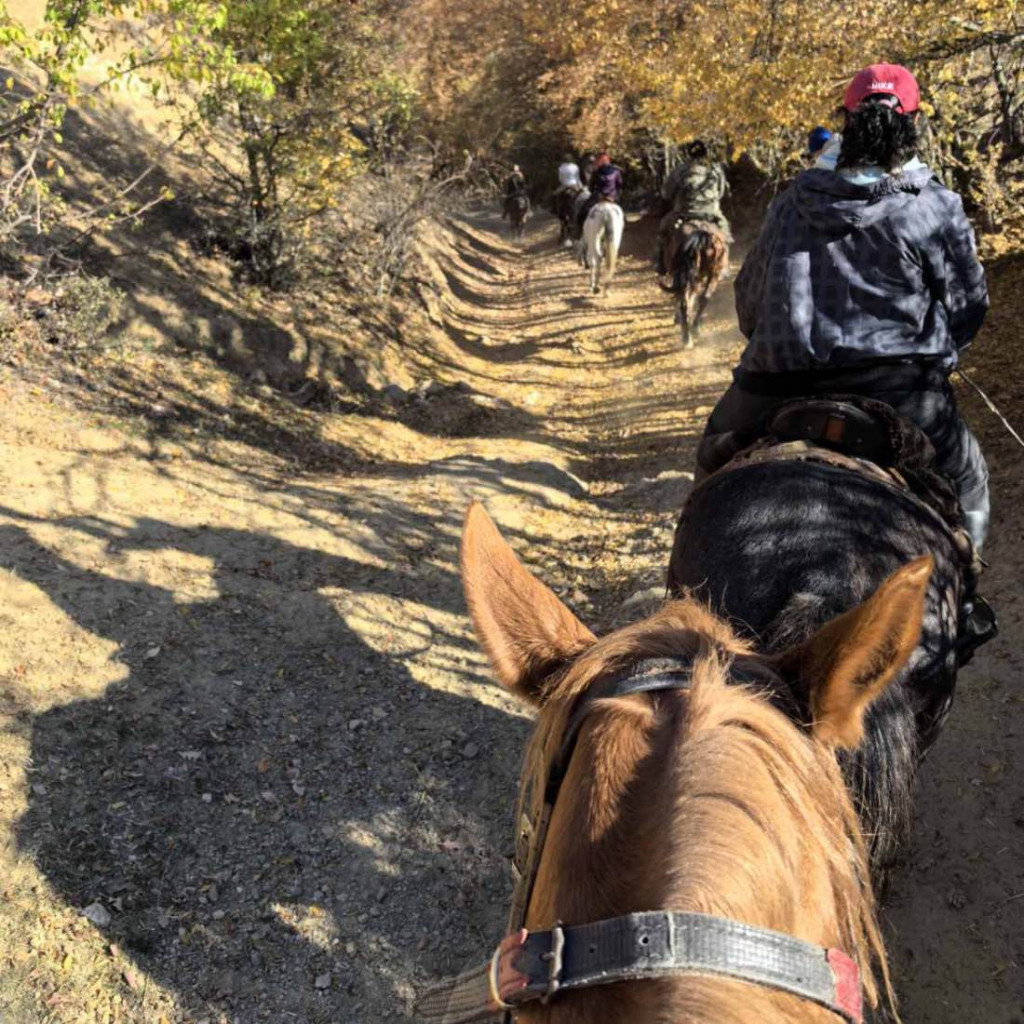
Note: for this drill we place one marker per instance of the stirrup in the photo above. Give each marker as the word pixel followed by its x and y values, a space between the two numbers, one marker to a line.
pixel 979 625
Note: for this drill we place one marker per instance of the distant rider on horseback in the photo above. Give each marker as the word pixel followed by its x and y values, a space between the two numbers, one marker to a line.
pixel 694 192
pixel 570 193
pixel 515 188
pixel 864 281
pixel 605 183
pixel 568 176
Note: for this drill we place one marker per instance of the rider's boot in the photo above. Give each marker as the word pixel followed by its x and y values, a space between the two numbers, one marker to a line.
pixel 978 623
pixel 659 259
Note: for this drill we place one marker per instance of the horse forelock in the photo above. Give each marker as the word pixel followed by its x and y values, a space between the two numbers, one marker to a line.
pixel 709 800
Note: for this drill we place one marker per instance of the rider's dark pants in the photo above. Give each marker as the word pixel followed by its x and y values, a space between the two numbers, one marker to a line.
pixel 588 204
pixel 920 395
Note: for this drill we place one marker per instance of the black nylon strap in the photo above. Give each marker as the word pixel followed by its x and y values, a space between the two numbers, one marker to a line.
pixel 661 943
pixel 653 675
pixel 656 944
pixel 648 676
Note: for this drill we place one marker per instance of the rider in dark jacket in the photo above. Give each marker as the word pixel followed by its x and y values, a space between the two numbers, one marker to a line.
pixel 865 280
pixel 515 186
pixel 605 183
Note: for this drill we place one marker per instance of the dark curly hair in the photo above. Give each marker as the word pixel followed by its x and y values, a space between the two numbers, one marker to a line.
pixel 877 135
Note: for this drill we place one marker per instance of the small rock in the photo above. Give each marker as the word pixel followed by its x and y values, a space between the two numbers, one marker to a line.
pixel 152 653
pixel 394 395
pixel 226 983
pixel 378 713
pixel 355 723
pixel 322 981
pixel 207 798
pixel 470 750
pixel 98 914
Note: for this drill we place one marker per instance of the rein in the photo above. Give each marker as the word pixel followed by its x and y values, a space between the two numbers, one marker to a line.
pixel 535 966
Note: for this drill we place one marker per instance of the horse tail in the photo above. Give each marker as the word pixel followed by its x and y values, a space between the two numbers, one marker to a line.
pixel 688 259
pixel 613 256
pixel 614 226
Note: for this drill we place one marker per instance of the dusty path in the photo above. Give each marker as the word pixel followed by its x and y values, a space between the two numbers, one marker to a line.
pixel 242 709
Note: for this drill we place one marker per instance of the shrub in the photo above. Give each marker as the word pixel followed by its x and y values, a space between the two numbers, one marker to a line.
pixel 83 312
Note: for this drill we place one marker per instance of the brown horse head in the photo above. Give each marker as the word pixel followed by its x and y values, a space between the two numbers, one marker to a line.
pixel 711 800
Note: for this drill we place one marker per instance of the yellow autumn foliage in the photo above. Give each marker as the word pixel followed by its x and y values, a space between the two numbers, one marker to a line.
pixel 753 75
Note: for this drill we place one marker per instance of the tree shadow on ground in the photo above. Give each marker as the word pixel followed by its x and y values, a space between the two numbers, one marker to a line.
pixel 222 801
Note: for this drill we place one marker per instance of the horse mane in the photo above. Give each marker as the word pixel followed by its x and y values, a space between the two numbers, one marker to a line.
pixel 709 819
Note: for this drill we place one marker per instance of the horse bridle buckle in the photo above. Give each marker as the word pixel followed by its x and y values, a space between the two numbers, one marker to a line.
pixel 553 958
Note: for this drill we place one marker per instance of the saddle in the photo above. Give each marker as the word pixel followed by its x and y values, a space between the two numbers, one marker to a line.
pixel 868 437
pixel 684 233
pixel 851 426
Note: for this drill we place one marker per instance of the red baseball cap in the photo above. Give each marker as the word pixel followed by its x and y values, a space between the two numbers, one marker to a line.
pixel 887 79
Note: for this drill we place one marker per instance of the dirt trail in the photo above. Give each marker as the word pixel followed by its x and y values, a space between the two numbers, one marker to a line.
pixel 243 710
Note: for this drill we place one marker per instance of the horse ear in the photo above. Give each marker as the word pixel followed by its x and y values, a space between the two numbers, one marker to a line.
pixel 847 664
pixel 524 629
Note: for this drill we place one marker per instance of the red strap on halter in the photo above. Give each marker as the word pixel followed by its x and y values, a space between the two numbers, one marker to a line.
pixel 848 996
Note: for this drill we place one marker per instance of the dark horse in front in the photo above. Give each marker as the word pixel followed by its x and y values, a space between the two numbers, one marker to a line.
pixel 565 205
pixel 789 535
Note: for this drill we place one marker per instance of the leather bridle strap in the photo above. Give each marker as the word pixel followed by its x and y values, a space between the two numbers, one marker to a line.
pixel 535 966
pixel 656 675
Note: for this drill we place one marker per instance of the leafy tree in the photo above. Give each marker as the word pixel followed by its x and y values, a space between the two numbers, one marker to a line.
pixel 48 75
pixel 310 99
pixel 753 75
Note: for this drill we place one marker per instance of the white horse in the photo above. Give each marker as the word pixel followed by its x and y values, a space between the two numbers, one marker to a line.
pixel 602 236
